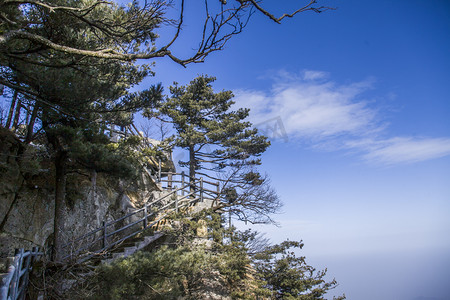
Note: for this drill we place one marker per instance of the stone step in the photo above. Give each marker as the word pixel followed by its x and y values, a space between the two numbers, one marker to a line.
pixel 127 251
pixel 127 243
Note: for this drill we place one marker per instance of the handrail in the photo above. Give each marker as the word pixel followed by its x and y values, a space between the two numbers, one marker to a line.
pixel 104 236
pixel 110 245
pixel 183 174
pixel 16 281
pixel 121 218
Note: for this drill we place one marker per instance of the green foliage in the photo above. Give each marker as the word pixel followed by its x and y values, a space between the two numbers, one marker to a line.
pixel 162 274
pixel 215 136
pixel 222 145
pixel 90 149
pixel 225 261
pixel 288 276
pixel 77 25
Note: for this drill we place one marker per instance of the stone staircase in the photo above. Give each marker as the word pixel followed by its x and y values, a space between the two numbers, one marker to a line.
pixel 141 222
pixel 132 245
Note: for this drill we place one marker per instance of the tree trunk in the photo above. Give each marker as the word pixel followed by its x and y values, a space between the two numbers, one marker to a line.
pixel 60 196
pixel 30 125
pixel 16 115
pixel 11 109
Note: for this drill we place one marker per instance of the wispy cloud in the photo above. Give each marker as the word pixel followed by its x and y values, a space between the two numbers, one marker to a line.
pixel 401 150
pixel 312 110
pixel 318 111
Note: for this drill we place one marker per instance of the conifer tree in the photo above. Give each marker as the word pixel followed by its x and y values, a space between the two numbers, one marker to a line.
pixel 214 136
pixel 128 30
pixel 72 106
pixel 223 146
pixel 71 62
pixel 233 264
pixel 288 276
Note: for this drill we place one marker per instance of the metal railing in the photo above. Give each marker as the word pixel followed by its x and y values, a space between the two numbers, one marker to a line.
pixel 14 285
pixel 205 189
pixel 115 232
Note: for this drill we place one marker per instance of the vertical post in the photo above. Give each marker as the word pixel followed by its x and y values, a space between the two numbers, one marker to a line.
pixel 145 216
pixel 201 189
pixel 182 183
pixel 169 180
pixel 176 201
pixel 159 169
pixel 26 274
pixel 16 278
pixel 105 242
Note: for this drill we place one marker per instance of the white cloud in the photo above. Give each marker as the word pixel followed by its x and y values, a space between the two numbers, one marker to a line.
pixel 399 150
pixel 312 108
pixel 314 75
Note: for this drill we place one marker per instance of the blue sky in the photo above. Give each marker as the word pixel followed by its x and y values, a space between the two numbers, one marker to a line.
pixel 361 152
pixel 356 102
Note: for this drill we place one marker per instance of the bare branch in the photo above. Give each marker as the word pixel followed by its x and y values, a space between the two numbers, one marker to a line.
pixel 126 36
pixel 55 8
pixel 278 20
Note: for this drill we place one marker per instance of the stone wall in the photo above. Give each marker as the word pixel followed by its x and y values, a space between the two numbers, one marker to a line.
pixel 27 197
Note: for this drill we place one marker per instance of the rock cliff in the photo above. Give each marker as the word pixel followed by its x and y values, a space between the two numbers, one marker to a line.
pixel 27 197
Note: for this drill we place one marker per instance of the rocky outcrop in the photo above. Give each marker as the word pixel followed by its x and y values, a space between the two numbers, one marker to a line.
pixel 27 197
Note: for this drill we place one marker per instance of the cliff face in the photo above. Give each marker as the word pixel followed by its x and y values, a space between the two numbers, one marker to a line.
pixel 27 197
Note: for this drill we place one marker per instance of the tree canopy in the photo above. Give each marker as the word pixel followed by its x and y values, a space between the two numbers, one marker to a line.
pixel 70 65
pixel 195 268
pixel 122 32
pixel 221 145
pixel 215 136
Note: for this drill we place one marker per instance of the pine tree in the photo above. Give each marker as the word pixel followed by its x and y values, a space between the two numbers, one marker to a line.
pixel 288 276
pixel 72 106
pixel 27 27
pixel 214 136
pixel 223 146
pixel 227 262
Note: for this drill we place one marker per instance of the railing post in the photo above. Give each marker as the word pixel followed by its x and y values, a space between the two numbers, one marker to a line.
pixel 159 169
pixel 201 189
pixel 18 257
pixel 145 216
pixel 26 274
pixel 169 180
pixel 176 201
pixel 105 242
pixel 182 183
